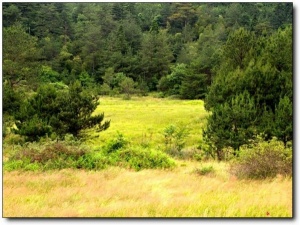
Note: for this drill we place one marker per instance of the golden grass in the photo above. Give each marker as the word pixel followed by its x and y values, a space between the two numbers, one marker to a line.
pixel 117 192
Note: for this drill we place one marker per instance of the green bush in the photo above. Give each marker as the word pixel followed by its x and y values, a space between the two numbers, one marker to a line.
pixel 14 165
pixel 96 161
pixel 138 158
pixel 118 142
pixel 262 160
pixel 61 155
pixel 175 137
pixel 205 170
pixel 53 156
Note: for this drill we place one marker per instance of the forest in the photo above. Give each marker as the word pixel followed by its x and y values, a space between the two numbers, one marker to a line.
pixel 225 70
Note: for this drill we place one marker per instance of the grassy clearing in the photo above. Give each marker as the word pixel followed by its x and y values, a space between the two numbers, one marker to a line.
pixel 117 192
pixel 143 119
pixel 191 189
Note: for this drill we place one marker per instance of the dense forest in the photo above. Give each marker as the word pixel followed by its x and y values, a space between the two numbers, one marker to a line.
pixel 237 57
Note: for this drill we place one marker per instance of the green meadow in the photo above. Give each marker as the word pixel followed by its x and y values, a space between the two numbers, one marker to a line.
pixel 142 120
pixel 191 188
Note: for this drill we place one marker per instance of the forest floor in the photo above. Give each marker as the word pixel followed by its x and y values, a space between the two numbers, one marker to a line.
pixel 117 192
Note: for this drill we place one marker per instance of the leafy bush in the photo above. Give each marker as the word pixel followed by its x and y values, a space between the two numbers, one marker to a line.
pixel 53 156
pixel 262 160
pixel 116 143
pixel 205 170
pixel 60 155
pixel 138 158
pixel 175 138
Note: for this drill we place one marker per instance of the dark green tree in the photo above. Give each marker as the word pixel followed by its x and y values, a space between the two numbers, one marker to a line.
pixel 283 128
pixel 155 58
pixel 231 124
pixel 20 55
pixel 50 111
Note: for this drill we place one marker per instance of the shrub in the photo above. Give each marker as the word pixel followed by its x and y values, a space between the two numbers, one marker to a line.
pixel 53 156
pixel 262 160
pixel 205 170
pixel 116 143
pixel 138 158
pixel 96 161
pixel 175 137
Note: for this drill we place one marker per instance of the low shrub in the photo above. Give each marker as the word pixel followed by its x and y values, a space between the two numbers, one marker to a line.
pixel 52 156
pixel 116 143
pixel 138 158
pixel 262 160
pixel 175 137
pixel 60 155
pixel 205 170
pixel 96 161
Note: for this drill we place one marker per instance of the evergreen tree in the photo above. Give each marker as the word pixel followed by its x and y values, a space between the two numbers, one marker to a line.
pixel 155 58
pixel 20 54
pixel 231 124
pixel 50 111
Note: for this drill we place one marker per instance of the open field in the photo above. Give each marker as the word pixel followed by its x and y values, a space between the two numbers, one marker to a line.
pixel 117 192
pixel 143 119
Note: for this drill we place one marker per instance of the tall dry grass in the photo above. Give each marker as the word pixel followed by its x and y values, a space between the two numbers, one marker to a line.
pixel 117 192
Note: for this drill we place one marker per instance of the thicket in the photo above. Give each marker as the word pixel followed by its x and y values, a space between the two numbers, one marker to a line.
pixel 251 93
pixel 67 154
pixel 263 159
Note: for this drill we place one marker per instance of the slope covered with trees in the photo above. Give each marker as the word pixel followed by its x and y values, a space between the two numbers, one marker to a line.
pixel 237 57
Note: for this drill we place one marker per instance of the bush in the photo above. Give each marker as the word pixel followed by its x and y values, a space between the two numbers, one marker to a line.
pixel 53 156
pixel 138 158
pixel 60 156
pixel 116 143
pixel 263 160
pixel 175 137
pixel 205 170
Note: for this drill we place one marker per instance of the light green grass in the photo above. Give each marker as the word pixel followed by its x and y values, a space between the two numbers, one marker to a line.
pixel 143 119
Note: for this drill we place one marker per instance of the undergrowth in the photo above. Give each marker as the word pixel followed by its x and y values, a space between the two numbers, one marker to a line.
pixel 263 160
pixel 61 155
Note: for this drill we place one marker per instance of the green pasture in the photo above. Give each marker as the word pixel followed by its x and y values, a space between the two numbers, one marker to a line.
pixel 142 120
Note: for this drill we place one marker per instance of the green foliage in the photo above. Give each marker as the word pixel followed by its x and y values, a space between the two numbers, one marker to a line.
pixel 171 83
pixel 116 143
pixel 52 156
pixel 270 108
pixel 137 39
pixel 85 79
pixel 231 124
pixel 283 127
pixel 12 99
pixel 61 155
pixel 62 112
pixel 138 158
pixel 237 50
pixel 175 137
pixel 48 75
pixel 262 160
pixel 194 86
pixel 205 170
pixel 127 87
pixel 155 58
pixel 19 53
